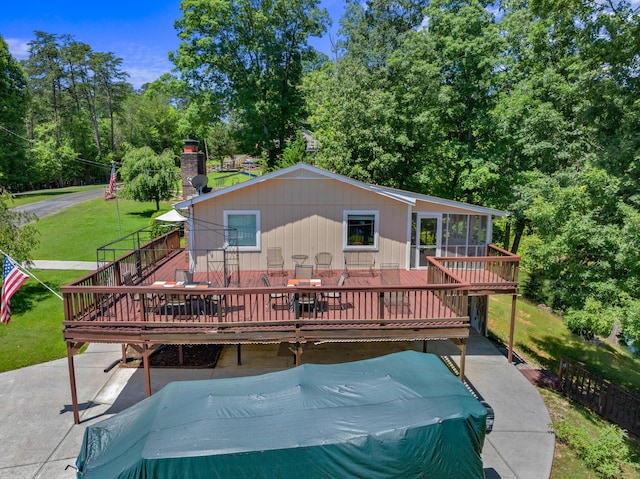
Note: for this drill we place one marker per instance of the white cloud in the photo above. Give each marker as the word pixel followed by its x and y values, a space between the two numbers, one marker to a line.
pixel 18 48
pixel 143 63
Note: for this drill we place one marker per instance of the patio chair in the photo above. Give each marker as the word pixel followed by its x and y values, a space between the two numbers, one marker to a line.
pixel 336 295
pixel 275 296
pixel 308 301
pixel 303 271
pixel 305 300
pixel 390 275
pixel 183 275
pixel 324 260
pixel 127 280
pixel 275 259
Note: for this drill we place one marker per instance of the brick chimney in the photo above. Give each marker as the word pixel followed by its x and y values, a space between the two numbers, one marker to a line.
pixel 192 163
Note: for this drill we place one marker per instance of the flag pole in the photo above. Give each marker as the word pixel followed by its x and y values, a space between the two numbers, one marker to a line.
pixel 118 213
pixel 112 184
pixel 29 273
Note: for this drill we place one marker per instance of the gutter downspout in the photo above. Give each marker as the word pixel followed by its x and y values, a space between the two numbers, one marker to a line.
pixel 190 245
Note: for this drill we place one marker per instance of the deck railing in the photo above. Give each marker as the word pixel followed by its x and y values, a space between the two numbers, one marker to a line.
pixel 139 263
pixel 101 299
pixel 149 305
pixel 498 269
pixel 437 274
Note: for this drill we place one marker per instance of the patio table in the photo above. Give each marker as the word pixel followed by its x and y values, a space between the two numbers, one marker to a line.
pixel 306 297
pixel 299 258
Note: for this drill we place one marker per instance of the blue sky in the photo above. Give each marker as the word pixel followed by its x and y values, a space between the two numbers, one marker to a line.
pixel 140 32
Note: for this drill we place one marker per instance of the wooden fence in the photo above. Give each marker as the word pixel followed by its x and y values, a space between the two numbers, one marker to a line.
pixel 599 395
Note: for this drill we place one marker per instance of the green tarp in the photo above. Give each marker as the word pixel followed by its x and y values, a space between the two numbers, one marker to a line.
pixel 404 415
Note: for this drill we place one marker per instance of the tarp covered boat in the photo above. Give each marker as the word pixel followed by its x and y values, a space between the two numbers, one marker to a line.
pixel 404 415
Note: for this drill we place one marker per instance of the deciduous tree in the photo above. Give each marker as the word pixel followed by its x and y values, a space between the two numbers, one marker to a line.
pixel 148 176
pixel 13 108
pixel 250 54
pixel 18 233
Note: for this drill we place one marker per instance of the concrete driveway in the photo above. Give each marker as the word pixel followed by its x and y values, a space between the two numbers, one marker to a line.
pixel 40 439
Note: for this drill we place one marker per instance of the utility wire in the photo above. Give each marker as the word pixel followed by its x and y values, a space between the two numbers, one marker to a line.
pixel 15 134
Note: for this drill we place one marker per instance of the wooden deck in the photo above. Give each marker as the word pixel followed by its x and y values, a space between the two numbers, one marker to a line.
pixel 375 305
pixel 387 304
pixel 368 307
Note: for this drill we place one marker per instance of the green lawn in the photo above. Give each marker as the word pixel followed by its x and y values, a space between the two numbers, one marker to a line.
pixel 34 334
pixel 220 179
pixel 76 232
pixel 542 338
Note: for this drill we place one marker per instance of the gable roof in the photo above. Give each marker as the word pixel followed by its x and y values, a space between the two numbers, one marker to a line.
pixel 306 171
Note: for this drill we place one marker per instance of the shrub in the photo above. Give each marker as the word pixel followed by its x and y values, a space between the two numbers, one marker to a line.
pixel 605 454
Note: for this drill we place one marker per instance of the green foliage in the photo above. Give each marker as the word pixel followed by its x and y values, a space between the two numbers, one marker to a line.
pixel 18 235
pixel 148 119
pixel 220 144
pixel 605 454
pixel 583 251
pixel 76 92
pixel 294 152
pixel 252 53
pixel 54 160
pixel 409 107
pixel 13 110
pixel 593 318
pixel 149 177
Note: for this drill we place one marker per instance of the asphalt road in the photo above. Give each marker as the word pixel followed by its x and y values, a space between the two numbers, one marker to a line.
pixel 56 204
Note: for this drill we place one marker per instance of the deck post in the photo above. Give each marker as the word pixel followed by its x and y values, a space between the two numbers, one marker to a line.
pixel 463 357
pixel 298 357
pixel 145 361
pixel 511 328
pixel 72 383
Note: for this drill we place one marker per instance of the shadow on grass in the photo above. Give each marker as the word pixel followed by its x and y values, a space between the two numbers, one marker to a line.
pixel 599 358
pixel 143 214
pixel 30 295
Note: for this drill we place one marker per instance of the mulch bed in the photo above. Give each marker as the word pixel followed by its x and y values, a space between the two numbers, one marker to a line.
pixel 195 356
pixel 541 378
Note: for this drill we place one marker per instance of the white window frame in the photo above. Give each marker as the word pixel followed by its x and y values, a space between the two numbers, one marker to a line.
pixel 255 213
pixel 345 230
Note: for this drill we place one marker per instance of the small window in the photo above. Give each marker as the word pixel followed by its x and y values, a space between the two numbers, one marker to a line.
pixel 246 226
pixel 361 229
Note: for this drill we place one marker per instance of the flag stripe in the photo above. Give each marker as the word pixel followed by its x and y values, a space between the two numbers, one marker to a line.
pixel 112 180
pixel 12 279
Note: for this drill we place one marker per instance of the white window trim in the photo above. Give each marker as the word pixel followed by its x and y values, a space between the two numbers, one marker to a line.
pixel 246 212
pixel 376 232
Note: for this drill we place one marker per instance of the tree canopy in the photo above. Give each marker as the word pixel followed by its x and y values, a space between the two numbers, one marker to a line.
pixel 250 53
pixel 13 110
pixel 148 176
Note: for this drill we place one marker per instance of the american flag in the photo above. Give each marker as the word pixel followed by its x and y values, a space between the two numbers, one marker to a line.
pixel 12 279
pixel 112 180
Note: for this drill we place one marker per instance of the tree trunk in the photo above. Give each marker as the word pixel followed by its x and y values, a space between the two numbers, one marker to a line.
pixel 519 231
